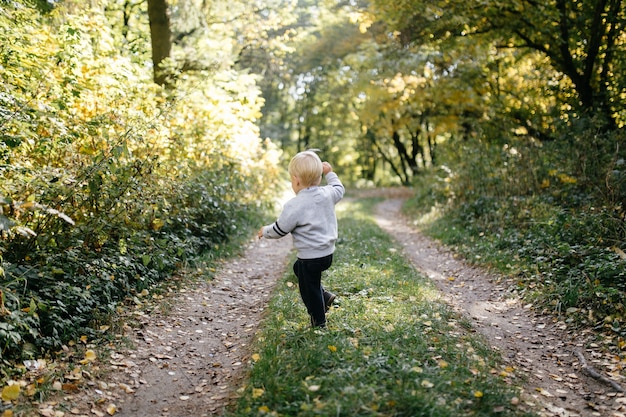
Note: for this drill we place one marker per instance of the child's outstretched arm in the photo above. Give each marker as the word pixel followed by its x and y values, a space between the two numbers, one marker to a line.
pixel 287 221
pixel 334 181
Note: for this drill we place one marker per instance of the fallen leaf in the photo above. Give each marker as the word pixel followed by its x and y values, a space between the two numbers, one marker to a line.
pixel 68 387
pixel 427 384
pixel 10 392
pixel 47 412
pixel 256 357
pixel 619 252
pixel 314 388
pixel 257 392
pixel 332 348
pixel 90 356
pixel 111 409
pixel 478 394
pixel 127 389
pixel 35 365
pixel 544 392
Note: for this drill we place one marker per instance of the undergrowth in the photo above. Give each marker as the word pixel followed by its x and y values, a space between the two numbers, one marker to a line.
pixel 52 297
pixel 393 347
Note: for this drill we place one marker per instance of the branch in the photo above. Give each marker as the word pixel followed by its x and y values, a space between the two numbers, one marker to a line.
pixel 387 159
pixel 594 374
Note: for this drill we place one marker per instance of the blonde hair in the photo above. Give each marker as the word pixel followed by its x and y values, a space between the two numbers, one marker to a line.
pixel 307 166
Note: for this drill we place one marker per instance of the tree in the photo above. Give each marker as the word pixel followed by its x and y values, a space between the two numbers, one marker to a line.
pixel 581 39
pixel 160 37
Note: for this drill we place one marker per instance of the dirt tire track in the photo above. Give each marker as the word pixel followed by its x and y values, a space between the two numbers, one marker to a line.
pixel 189 361
pixel 536 345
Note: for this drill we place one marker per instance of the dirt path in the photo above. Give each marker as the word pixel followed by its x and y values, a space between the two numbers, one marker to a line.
pixel 190 361
pixel 536 345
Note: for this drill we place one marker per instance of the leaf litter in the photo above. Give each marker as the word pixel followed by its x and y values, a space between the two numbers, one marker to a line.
pixel 187 359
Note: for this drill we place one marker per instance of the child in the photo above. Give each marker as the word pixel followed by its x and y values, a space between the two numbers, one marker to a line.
pixel 310 218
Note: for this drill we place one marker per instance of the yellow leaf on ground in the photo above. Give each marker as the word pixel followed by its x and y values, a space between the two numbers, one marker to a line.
pixel 478 394
pixel 257 392
pixel 619 252
pixel 10 392
pixel 332 348
pixel 256 357
pixel 90 356
pixel 544 392
pixel 427 384
pixel 111 409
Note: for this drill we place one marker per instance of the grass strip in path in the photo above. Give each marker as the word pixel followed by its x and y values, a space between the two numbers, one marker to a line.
pixel 393 347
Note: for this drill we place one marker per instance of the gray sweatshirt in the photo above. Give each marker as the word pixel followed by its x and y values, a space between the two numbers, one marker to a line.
pixel 311 220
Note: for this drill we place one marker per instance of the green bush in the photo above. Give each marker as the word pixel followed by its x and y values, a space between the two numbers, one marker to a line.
pixel 110 183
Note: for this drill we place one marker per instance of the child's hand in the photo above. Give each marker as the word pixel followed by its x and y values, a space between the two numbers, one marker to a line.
pixel 326 168
pixel 260 233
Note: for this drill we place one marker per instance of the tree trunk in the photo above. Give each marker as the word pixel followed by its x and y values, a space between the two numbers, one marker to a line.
pixel 161 37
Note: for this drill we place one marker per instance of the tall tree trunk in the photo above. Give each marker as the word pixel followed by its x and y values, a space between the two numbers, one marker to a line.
pixel 161 37
pixel 405 160
pixel 402 175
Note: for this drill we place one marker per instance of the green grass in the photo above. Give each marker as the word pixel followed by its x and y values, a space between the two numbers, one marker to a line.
pixel 393 347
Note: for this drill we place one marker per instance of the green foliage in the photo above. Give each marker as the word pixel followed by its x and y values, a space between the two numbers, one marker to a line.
pixel 578 40
pixel 393 347
pixel 109 184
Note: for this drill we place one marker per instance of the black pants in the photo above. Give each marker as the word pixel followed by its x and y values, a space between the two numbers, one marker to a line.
pixel 309 273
